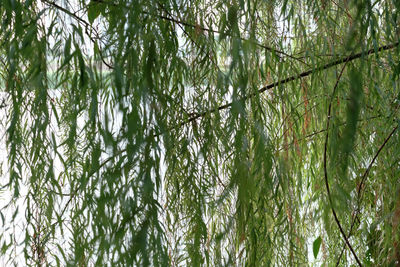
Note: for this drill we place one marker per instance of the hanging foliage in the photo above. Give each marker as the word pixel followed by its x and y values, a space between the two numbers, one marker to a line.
pixel 199 133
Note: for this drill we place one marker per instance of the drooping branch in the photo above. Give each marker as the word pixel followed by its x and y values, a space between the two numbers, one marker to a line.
pixel 360 186
pixel 184 23
pixel 326 171
pixel 310 135
pixel 85 23
pixel 167 18
pixel 180 22
pixel 188 35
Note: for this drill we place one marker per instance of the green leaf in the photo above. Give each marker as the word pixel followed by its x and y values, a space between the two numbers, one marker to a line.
pixel 352 112
pixel 94 10
pixel 233 15
pixel 316 246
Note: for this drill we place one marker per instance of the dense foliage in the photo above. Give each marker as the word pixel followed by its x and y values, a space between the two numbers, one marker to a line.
pixel 200 133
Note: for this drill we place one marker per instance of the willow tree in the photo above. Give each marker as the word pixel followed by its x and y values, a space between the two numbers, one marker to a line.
pixel 200 133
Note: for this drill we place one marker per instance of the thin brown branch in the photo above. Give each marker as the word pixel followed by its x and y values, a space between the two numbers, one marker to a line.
pixel 287 80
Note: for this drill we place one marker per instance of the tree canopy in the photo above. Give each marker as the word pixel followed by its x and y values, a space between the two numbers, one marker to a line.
pixel 200 133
